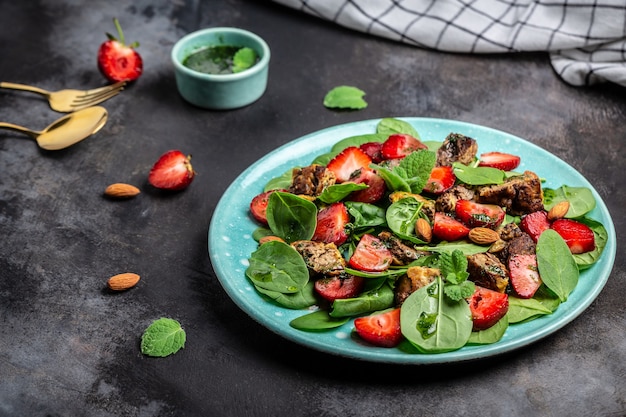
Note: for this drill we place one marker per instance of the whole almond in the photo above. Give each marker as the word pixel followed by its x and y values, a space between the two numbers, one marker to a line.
pixel 423 230
pixel 483 235
pixel 121 190
pixel 122 282
pixel 559 210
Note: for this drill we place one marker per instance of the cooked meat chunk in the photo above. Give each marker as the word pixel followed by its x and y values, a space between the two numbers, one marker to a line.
pixel 401 253
pixel 487 271
pixel 510 231
pixel 320 258
pixel 446 202
pixel 311 180
pixel 457 148
pixel 415 278
pixel 519 195
pixel 521 244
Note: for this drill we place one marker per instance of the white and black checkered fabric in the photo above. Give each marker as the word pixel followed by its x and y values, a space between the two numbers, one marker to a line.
pixel 586 39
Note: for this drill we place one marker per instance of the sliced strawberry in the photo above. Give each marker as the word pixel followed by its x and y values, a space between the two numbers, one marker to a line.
pixel 331 224
pixel 487 307
pixel 371 255
pixel 500 160
pixel 373 150
pixel 339 287
pixel 535 223
pixel 400 145
pixel 441 179
pixel 349 163
pixel 118 61
pixel 381 329
pixel 479 215
pixel 376 187
pixel 173 171
pixel 578 236
pixel 448 228
pixel 258 206
pixel 524 274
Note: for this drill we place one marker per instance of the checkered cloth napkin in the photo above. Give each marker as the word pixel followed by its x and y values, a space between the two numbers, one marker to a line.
pixel 586 39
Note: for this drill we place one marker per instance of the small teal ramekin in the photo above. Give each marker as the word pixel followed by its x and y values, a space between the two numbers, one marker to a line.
pixel 221 91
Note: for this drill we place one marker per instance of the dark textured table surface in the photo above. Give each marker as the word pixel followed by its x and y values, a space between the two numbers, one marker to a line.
pixel 68 347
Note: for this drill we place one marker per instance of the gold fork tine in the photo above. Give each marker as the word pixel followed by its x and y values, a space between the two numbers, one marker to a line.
pixel 105 89
pixel 78 105
pixel 92 97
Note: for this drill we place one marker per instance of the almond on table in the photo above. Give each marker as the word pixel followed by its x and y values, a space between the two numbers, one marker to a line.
pixel 122 282
pixel 121 191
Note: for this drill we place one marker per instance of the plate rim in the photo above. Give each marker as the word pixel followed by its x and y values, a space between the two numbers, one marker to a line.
pixel 547 324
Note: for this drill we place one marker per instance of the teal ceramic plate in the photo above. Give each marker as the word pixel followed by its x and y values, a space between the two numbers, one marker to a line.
pixel 230 242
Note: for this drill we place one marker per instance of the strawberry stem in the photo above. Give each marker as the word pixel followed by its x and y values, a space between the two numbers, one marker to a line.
pixel 119 31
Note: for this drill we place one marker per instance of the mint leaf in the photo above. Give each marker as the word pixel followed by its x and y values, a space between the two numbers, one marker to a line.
pixel 162 338
pixel 453 267
pixel 345 97
pixel 244 59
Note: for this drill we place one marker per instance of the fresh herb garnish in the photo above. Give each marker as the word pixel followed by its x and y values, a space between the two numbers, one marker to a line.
pixel 345 97
pixel 453 266
pixel 162 338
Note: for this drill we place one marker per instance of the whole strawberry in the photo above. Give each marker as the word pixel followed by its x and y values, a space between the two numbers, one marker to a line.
pixel 173 171
pixel 118 61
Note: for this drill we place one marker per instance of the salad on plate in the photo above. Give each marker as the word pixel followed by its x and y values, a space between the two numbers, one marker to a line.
pixel 425 245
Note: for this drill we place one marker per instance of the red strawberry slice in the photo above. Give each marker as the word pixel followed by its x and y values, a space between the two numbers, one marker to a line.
pixel 500 160
pixel 118 61
pixel 524 274
pixel 373 150
pixel 173 171
pixel 535 223
pixel 400 145
pixel 441 179
pixel 339 287
pixel 376 187
pixel 331 224
pixel 578 236
pixel 348 162
pixel 258 206
pixel 448 228
pixel 371 255
pixel 382 329
pixel 487 307
pixel 479 215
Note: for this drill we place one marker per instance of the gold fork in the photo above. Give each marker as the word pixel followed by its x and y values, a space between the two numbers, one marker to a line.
pixel 66 101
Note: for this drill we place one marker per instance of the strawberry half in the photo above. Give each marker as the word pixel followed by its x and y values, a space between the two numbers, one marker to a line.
pixel 578 236
pixel 349 163
pixel 371 255
pixel 339 287
pixel 487 307
pixel 441 179
pixel 376 187
pixel 448 228
pixel 258 206
pixel 479 215
pixel 331 224
pixel 400 145
pixel 118 61
pixel 524 274
pixel 172 171
pixel 499 160
pixel 535 223
pixel 373 150
pixel 382 329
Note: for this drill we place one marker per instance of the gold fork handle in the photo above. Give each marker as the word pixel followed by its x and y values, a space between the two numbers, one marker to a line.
pixel 24 87
pixel 16 128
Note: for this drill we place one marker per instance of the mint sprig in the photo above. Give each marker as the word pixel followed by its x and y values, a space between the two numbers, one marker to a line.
pixel 244 59
pixel 162 338
pixel 412 174
pixel 453 267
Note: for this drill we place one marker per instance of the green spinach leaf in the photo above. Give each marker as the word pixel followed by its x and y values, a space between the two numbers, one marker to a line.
pixel 556 264
pixel 389 126
pixel 478 175
pixel 291 217
pixel 317 320
pixel 276 266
